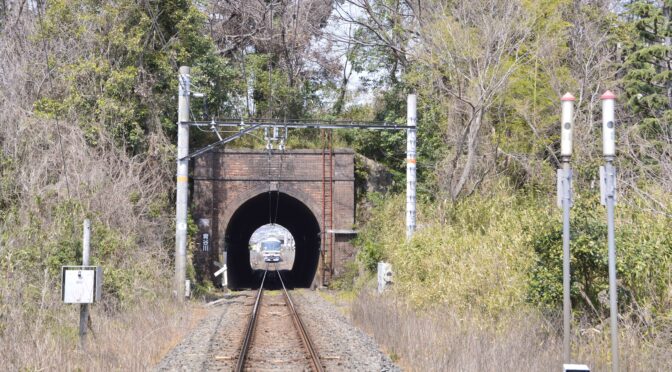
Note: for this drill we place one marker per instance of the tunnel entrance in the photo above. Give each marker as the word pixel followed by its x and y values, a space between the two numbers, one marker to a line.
pixel 275 208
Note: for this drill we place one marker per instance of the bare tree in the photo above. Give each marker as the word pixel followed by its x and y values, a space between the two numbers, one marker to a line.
pixel 389 26
pixel 285 30
pixel 471 49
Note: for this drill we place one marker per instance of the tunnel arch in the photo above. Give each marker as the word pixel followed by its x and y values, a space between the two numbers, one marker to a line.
pixel 254 211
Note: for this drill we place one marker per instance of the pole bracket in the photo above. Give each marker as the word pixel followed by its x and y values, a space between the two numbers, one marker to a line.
pixel 607 184
pixel 565 187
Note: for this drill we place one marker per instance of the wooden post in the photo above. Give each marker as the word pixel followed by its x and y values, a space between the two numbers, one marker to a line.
pixel 84 308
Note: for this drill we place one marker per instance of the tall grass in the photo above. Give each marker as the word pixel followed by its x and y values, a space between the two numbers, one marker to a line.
pixel 132 340
pixel 439 339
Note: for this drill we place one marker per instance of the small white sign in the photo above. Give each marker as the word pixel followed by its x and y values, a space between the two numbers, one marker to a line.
pixel 575 368
pixel 384 276
pixel 81 284
pixel 78 286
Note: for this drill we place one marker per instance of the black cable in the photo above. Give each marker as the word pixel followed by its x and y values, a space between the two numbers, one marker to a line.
pixel 277 200
pixel 270 197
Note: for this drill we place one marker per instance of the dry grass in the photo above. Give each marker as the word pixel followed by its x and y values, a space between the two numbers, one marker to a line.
pixel 135 339
pixel 441 340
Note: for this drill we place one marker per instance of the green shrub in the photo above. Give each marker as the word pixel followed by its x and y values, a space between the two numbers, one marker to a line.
pixel 490 254
pixel 588 263
pixel 472 254
pixel 644 261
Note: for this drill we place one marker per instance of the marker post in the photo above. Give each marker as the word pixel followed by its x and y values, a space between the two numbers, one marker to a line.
pixel 608 198
pixel 412 120
pixel 565 201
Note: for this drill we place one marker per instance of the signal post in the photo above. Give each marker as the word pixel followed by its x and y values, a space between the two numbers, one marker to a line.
pixel 608 198
pixel 565 201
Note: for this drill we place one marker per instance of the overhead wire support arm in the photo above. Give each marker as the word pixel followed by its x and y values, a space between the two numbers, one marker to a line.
pixel 301 124
pixel 221 142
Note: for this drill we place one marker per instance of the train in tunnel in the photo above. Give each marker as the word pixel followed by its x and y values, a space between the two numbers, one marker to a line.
pixel 292 214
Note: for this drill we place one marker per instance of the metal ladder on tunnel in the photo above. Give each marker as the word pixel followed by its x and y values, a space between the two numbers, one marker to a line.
pixel 327 251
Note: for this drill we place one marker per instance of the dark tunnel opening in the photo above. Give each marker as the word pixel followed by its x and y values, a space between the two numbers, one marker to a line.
pixel 284 210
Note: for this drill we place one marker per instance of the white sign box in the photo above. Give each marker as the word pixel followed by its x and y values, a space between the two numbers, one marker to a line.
pixel 81 284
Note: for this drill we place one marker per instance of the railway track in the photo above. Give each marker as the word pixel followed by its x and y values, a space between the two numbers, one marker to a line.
pixel 275 344
pixel 271 341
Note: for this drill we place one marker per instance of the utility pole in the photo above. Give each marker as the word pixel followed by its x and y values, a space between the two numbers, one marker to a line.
pixel 84 308
pixel 608 197
pixel 182 182
pixel 565 199
pixel 411 119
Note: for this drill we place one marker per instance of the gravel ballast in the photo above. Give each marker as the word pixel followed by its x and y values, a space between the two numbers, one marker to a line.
pixel 214 343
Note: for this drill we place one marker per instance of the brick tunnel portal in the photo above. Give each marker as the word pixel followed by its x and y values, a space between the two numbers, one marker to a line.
pixel 230 200
pixel 282 209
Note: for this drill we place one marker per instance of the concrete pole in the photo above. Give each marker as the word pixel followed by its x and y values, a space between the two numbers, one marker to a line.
pixel 566 138
pixel 609 150
pixel 411 119
pixel 182 183
pixel 84 308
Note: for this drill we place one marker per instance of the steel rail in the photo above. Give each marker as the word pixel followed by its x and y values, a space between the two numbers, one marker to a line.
pixel 249 333
pixel 314 357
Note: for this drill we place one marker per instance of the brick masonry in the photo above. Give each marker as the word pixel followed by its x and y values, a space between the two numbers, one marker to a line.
pixel 222 181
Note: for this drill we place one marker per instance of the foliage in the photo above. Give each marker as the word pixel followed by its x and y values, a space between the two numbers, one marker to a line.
pixel 347 280
pixel 488 254
pixel 471 255
pixel 648 63
pixel 644 259
pixel 122 75
pixel 379 234
pixel 52 238
pixel 588 263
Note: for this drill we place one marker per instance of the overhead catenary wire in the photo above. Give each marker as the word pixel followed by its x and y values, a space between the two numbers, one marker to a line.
pixel 273 212
pixel 277 199
pixel 299 124
pixel 270 194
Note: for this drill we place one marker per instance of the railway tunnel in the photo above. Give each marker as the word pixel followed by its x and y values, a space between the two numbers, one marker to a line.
pixel 230 200
pixel 282 209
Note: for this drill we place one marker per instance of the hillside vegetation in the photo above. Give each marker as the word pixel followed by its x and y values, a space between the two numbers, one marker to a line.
pixel 487 272
pixel 87 130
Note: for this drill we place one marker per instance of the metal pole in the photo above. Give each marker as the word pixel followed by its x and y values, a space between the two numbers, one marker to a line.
pixel 613 295
pixel 411 118
pixel 566 274
pixel 609 150
pixel 182 183
pixel 84 308
pixel 565 186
